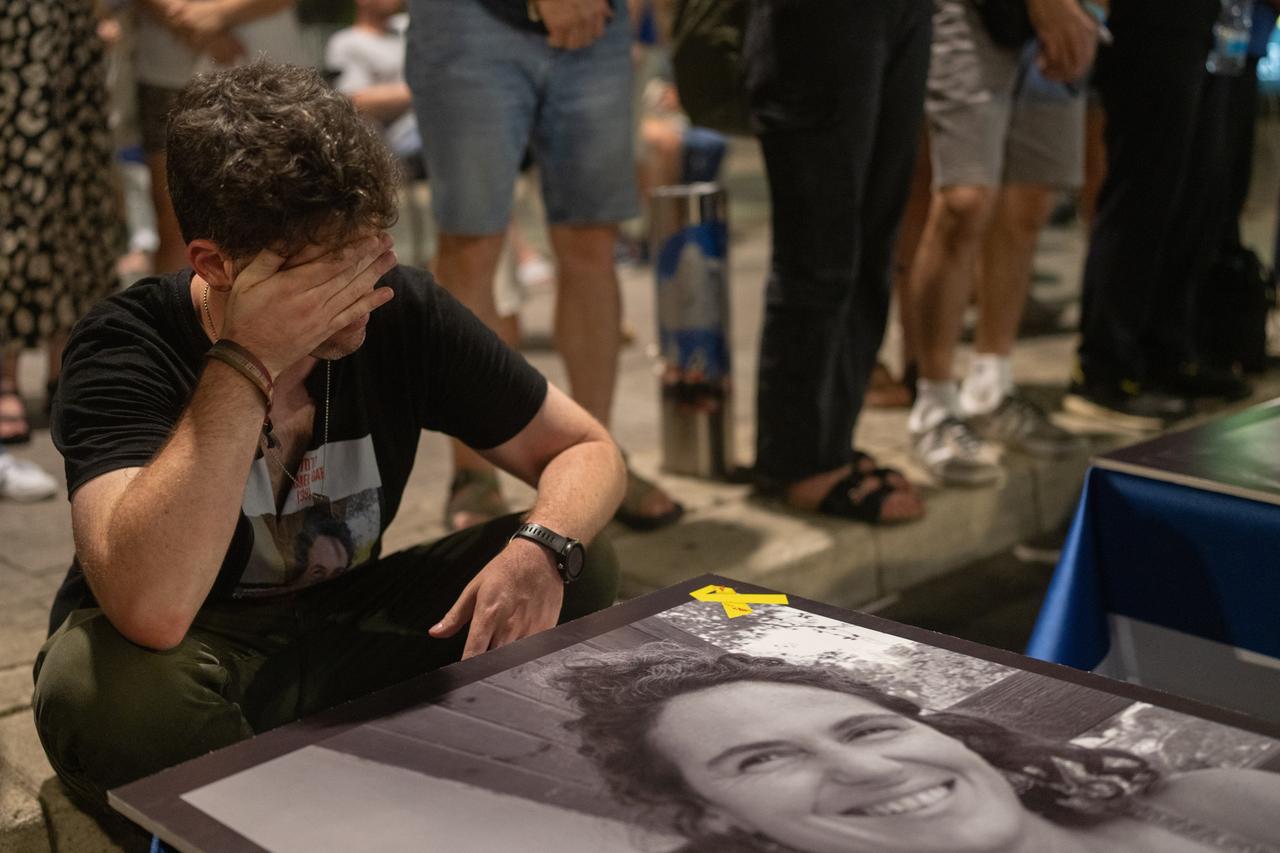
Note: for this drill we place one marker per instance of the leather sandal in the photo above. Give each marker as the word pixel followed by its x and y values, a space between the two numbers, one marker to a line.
pixel 638 488
pixel 846 498
pixel 866 464
pixel 477 493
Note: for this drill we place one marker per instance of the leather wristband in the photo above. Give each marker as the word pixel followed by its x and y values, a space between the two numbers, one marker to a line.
pixel 246 363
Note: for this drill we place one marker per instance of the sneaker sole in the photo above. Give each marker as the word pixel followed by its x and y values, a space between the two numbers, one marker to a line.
pixel 1084 408
pixel 968 477
pixel 1050 451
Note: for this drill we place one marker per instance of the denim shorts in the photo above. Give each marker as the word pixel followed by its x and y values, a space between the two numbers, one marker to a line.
pixel 486 92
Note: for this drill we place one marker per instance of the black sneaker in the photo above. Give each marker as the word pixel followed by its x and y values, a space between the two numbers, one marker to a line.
pixel 1200 381
pixel 1125 405
pixel 1020 424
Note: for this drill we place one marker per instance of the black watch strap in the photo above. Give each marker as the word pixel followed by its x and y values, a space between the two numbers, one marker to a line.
pixel 544 536
pixel 568 552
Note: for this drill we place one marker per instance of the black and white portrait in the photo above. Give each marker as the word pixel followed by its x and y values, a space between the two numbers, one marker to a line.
pixel 781 730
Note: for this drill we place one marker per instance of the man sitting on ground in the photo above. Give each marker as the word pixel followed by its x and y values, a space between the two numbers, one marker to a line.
pixel 238 438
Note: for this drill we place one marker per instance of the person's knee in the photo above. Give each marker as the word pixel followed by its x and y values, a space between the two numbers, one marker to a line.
pixel 961 214
pixel 109 711
pixel 584 250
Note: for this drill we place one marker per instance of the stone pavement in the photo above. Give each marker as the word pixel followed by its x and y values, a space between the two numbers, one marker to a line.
pixel 726 530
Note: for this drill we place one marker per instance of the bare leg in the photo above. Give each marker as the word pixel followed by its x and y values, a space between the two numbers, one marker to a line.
pixel 56 344
pixel 588 318
pixel 1007 253
pixel 465 266
pixel 942 275
pixel 1095 161
pixel 910 233
pixel 884 391
pixel 171 254
pixel 588 312
pixel 13 413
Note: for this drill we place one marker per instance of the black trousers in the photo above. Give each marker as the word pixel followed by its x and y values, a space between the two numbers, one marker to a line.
pixel 1137 291
pixel 839 167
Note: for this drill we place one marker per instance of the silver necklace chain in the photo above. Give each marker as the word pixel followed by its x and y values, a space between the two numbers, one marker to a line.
pixel 267 439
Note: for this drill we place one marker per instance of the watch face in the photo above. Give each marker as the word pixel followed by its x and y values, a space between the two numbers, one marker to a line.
pixel 573 561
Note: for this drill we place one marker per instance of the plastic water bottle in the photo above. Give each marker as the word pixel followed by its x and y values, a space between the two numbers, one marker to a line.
pixel 1231 38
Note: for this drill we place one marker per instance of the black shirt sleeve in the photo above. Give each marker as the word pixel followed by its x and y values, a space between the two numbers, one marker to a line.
pixel 123 386
pixel 470 385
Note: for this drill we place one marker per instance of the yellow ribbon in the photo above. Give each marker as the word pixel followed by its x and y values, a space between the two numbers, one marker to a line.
pixel 735 603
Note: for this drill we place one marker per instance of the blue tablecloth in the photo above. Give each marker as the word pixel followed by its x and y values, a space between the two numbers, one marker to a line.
pixel 1198 562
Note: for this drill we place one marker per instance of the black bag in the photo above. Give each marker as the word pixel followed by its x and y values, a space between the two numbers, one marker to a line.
pixel 706 54
pixel 1232 313
pixel 1006 20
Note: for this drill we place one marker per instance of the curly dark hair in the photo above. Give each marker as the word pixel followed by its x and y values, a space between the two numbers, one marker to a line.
pixel 269 156
pixel 621 694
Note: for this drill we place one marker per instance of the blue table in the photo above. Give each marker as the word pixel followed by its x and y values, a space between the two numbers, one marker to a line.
pixel 1172 587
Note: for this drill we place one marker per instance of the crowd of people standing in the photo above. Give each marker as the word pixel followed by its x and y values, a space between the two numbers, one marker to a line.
pixel 841 95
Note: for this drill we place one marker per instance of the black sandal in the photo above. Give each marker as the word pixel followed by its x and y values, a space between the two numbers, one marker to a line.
pixel 866 464
pixel 638 488
pixel 840 501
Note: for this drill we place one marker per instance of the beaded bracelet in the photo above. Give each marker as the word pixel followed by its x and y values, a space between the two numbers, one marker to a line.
pixel 246 363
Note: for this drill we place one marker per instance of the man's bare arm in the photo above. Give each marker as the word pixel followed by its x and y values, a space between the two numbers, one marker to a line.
pixel 580 478
pixel 151 540
pixel 204 24
pixel 574 24
pixel 1068 38
pixel 383 102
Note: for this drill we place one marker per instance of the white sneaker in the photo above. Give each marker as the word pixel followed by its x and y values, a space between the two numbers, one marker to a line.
pixel 21 480
pixel 954 454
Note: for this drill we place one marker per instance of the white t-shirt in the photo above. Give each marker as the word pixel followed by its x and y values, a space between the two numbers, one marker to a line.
pixel 163 59
pixel 362 59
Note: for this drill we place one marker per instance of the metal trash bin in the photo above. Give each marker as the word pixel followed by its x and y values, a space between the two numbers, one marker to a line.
pixel 689 236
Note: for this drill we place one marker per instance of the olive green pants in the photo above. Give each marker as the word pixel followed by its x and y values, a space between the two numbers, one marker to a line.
pixel 109 711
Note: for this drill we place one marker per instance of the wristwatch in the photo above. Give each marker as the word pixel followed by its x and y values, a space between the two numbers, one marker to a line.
pixel 569 553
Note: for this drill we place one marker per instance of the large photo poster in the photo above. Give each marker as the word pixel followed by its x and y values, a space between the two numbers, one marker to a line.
pixel 678 727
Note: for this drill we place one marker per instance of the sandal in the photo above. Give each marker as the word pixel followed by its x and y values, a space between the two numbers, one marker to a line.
pixel 865 464
pixel 848 500
pixel 476 493
pixel 22 435
pixel 638 489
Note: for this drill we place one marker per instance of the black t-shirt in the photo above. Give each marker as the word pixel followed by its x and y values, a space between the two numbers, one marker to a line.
pixel 427 363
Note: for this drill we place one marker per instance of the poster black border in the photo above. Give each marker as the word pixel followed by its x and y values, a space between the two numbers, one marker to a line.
pixel 155 802
pixel 1137 459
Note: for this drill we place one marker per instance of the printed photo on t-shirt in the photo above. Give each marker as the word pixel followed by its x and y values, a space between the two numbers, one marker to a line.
pixel 328 525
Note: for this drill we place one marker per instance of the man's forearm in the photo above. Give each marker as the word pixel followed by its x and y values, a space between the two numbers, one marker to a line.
pixel 169 531
pixel 237 12
pixel 580 489
pixel 383 102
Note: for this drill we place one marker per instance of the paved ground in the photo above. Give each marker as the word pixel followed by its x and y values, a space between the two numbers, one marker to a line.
pixel 909 573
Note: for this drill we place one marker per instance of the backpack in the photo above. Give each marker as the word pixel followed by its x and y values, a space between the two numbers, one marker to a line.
pixel 706 55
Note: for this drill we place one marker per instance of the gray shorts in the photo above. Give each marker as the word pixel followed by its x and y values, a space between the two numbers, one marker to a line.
pixel 993 119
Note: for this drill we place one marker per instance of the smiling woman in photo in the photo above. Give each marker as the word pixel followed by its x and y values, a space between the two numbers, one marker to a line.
pixel 757 754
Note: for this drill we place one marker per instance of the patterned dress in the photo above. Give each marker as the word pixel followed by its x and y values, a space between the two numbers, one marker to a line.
pixel 59 227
